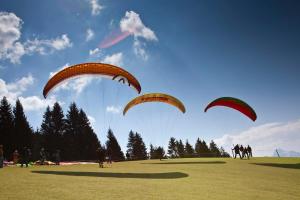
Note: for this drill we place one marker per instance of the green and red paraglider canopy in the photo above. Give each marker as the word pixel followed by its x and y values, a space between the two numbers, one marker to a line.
pixel 234 103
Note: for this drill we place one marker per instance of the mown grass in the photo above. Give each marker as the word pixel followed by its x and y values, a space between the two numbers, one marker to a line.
pixel 198 178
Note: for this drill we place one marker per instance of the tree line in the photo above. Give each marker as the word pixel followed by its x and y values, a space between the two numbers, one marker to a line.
pixel 177 149
pixel 74 137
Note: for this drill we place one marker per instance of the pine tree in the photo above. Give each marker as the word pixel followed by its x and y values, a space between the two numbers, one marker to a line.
pixel 37 144
pixel 198 148
pixel 160 152
pixel 88 142
pixel 151 152
pixel 189 151
pixel 70 137
pixel 205 150
pixel 157 152
pixel 47 131
pixel 136 148
pixel 113 148
pixel 6 128
pixel 202 149
pixel 130 146
pixel 140 150
pixel 172 151
pixel 214 149
pixel 23 133
pixel 58 126
pixel 180 148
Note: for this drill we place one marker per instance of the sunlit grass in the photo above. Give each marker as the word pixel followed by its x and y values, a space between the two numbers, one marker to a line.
pixel 211 178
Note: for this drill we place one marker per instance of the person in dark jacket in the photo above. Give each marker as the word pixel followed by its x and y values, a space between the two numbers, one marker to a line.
pixel 25 156
pixel 57 157
pixel 249 149
pixel 245 153
pixel 237 151
pixel 242 151
pixel 101 156
pixel 16 157
pixel 42 156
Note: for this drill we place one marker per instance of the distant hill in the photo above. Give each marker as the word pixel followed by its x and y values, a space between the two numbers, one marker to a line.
pixel 284 153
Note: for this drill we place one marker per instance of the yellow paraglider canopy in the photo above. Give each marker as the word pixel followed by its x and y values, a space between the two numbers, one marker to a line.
pixel 155 97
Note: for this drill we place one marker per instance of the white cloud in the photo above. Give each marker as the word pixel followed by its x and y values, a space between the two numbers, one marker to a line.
pixel 10 26
pixel 12 49
pixel 113 109
pixel 15 54
pixel 76 84
pixel 89 35
pixel 133 24
pixel 265 138
pixel 22 84
pixel 13 91
pixel 96 7
pixel 80 83
pixel 95 52
pixel 33 103
pixel 10 33
pixel 139 50
pixel 91 119
pixel 44 47
pixel 114 59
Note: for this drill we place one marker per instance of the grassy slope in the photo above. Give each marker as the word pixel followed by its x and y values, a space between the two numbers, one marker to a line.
pixel 192 179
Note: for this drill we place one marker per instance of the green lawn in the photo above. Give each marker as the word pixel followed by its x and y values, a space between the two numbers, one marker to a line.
pixel 199 178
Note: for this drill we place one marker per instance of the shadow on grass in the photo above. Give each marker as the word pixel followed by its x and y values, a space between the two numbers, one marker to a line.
pixel 185 163
pixel 167 175
pixel 281 165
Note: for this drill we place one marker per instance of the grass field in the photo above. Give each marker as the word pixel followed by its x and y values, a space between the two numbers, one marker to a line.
pixel 198 178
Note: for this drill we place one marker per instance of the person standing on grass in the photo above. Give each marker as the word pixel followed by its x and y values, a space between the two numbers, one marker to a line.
pixel 42 156
pixel 237 151
pixel 249 149
pixel 101 156
pixel 57 157
pixel 242 151
pixel 25 157
pixel 1 156
pixel 108 155
pixel 16 157
pixel 245 152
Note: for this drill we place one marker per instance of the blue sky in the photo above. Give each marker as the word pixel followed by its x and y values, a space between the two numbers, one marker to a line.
pixel 194 50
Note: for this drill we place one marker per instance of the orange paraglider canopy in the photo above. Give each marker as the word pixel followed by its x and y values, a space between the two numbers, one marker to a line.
pixel 101 69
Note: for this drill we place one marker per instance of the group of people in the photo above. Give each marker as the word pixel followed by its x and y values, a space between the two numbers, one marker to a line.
pixel 55 157
pixel 25 157
pixel 102 158
pixel 242 151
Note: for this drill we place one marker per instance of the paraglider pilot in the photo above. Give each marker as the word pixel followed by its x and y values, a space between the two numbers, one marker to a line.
pixel 237 151
pixel 25 156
